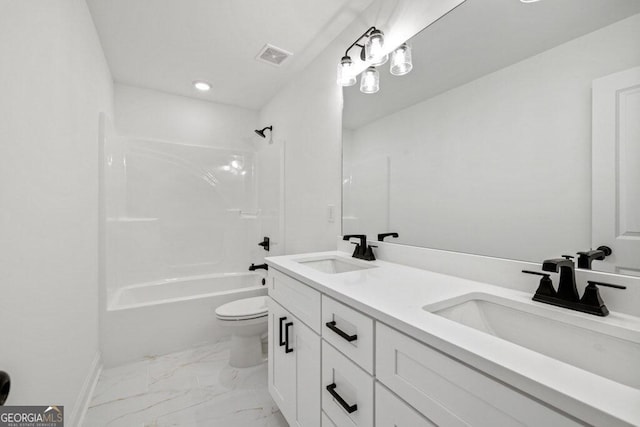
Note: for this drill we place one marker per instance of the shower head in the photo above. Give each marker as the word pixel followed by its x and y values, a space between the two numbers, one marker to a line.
pixel 261 131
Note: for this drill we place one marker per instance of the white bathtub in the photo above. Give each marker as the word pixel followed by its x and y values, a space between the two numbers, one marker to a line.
pixel 149 319
pixel 182 289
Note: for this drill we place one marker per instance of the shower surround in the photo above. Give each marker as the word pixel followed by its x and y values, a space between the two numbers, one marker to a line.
pixel 181 228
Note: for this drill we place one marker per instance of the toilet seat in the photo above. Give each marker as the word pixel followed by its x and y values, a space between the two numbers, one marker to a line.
pixel 243 309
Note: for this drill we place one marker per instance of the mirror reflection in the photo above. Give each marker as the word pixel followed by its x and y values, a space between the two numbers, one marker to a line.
pixel 486 146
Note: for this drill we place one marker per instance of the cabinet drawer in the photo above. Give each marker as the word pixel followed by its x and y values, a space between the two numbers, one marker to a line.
pixel 326 421
pixel 450 393
pixel 350 401
pixel 349 331
pixel 301 300
pixel 393 412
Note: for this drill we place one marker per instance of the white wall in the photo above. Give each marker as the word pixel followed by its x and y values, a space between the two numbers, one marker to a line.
pixel 150 114
pixel 54 81
pixel 501 166
pixel 307 120
pixel 270 184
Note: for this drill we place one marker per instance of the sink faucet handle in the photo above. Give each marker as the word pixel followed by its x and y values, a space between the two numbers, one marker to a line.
pixel 609 285
pixel 568 257
pixel 368 253
pixel 537 273
pixel 591 297
pixel 545 287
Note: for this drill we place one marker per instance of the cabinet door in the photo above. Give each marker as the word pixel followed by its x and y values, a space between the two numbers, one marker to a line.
pixel 282 379
pixel 306 352
pixel 294 367
pixel 393 412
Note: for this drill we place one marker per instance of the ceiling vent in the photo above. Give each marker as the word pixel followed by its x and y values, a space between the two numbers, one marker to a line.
pixel 273 55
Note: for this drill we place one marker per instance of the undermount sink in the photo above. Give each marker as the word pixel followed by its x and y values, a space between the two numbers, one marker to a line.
pixel 333 265
pixel 596 346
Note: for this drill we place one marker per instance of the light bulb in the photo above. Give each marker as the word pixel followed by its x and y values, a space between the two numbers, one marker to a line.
pixel 202 86
pixel 401 62
pixel 345 72
pixel 374 48
pixel 370 80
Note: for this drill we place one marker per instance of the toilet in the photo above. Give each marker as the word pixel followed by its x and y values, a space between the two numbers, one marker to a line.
pixel 247 320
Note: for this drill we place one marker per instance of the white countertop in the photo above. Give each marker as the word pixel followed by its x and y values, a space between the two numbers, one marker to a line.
pixel 396 294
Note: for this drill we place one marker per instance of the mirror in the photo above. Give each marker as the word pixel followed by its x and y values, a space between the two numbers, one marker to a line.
pixel 486 146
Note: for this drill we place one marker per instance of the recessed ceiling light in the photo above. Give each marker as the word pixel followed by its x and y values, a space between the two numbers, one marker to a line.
pixel 201 86
pixel 529 1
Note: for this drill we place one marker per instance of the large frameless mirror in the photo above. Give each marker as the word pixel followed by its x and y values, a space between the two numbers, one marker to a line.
pixel 486 146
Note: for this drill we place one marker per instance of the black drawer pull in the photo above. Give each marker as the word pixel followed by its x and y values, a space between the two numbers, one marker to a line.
pixel 331 388
pixel 282 319
pixel 286 337
pixel 343 334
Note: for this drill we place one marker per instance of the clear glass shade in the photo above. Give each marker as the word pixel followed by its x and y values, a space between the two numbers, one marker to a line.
pixel 370 81
pixel 374 49
pixel 401 62
pixel 346 76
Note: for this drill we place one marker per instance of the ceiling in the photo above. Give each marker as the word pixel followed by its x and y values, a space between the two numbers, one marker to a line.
pixel 478 38
pixel 167 44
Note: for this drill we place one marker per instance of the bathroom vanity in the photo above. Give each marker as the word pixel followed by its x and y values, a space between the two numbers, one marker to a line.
pixel 358 343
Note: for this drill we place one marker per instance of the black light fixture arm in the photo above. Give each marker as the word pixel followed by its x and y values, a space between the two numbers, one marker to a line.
pixel 355 43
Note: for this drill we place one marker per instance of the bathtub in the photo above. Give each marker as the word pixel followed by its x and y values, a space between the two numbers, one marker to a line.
pixel 149 319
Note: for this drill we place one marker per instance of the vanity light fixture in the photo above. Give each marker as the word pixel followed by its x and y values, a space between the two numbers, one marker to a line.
pixel 373 53
pixel 202 85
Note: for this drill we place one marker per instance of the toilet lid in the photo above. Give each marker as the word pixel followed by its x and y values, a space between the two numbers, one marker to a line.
pixel 247 308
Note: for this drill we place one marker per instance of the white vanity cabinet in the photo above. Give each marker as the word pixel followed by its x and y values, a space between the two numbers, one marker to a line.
pixel 294 352
pixel 332 365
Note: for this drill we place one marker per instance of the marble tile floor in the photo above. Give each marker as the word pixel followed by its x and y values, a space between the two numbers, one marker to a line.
pixel 192 388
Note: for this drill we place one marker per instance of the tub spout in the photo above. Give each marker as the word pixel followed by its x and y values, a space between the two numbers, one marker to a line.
pixel 254 267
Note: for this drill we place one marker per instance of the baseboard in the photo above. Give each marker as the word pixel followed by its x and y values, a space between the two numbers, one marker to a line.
pixel 76 417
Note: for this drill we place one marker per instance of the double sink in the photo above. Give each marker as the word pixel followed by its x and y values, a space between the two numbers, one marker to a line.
pixel 602 348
